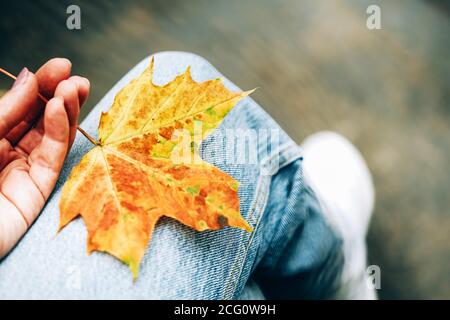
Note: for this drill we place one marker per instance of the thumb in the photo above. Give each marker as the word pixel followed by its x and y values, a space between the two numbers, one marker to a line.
pixel 48 158
pixel 16 103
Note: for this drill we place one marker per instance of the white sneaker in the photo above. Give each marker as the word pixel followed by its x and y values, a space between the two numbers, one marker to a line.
pixel 338 174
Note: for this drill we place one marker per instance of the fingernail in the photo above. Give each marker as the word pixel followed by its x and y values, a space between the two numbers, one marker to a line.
pixel 88 83
pixel 60 99
pixel 67 61
pixel 21 78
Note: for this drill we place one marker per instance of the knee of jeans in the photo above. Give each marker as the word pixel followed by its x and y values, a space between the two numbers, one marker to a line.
pixel 192 59
pixel 181 55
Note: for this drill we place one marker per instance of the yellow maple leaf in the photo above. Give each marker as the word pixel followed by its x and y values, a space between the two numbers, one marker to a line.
pixel 134 175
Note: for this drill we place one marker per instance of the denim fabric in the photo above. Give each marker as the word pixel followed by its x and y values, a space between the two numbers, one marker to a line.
pixel 292 253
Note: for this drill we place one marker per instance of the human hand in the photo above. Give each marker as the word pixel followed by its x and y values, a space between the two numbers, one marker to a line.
pixel 34 141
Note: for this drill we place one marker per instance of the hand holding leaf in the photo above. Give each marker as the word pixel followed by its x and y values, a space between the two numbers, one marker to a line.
pixel 34 142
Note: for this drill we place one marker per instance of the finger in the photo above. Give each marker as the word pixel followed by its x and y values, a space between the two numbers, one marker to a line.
pixel 51 74
pixel 48 76
pixel 47 159
pixel 68 90
pixel 83 88
pixel 34 136
pixel 17 102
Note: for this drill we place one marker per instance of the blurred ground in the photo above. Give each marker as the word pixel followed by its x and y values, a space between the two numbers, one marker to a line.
pixel 318 67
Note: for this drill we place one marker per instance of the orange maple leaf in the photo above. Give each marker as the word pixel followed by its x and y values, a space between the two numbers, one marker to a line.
pixel 133 176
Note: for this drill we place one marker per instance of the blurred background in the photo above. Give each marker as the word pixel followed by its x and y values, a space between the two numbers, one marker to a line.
pixel 318 67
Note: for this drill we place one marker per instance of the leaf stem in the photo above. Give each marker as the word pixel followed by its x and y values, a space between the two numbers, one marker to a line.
pixel 88 136
pixel 45 100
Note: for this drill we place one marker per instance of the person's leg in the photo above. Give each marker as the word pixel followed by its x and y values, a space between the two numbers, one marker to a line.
pixel 317 248
pixel 339 176
pixel 301 257
pixel 180 263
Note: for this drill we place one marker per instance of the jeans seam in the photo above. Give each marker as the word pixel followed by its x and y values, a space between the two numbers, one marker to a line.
pixel 230 292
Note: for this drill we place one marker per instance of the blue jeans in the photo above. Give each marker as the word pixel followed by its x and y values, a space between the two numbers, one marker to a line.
pixel 292 252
